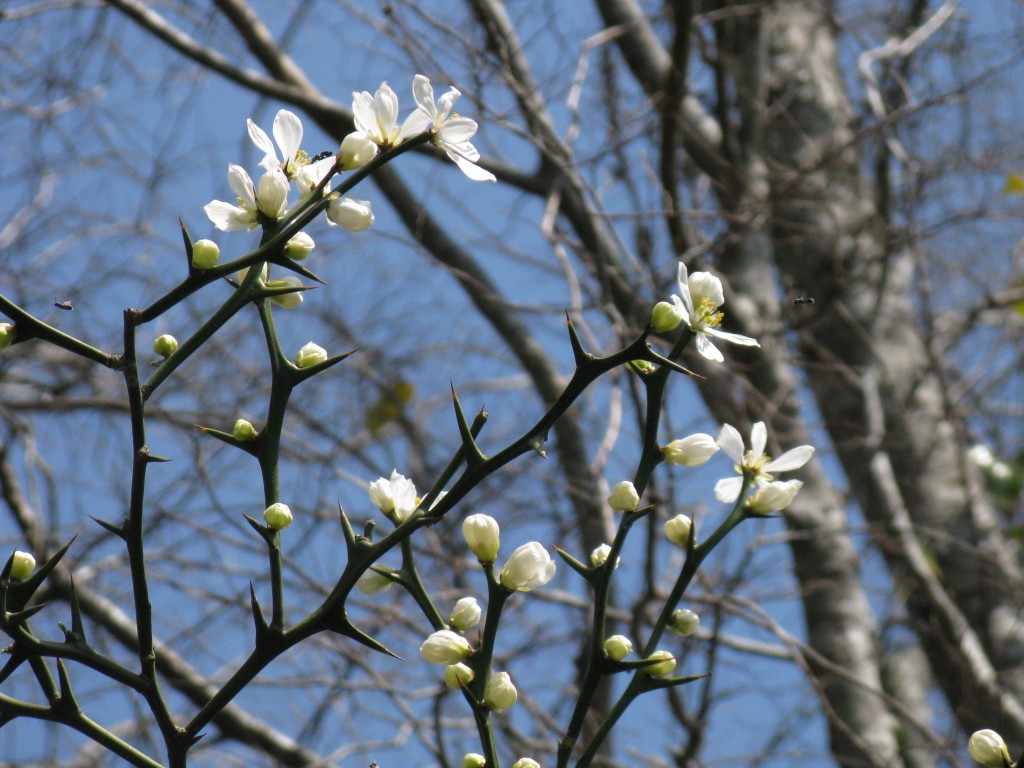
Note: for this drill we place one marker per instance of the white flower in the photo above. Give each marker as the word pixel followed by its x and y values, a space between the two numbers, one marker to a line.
pixel 684 622
pixel 466 614
pixel 988 748
pixel 278 516
pixel 618 647
pixel 482 536
pixel 376 117
pixel 755 460
pixel 396 497
pixel 529 566
pixel 446 647
pixel 311 354
pixel 624 497
pixel 450 132
pixel 499 693
pixel 774 496
pixel 982 456
pixel 700 296
pixel 692 451
pixel 288 134
pixel 677 530
pixel 350 213
pixel 22 565
pixel 374 581
pixel 269 198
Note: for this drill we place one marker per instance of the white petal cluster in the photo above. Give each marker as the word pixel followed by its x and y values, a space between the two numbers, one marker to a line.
pixel 395 497
pixel 529 566
pixel 760 464
pixel 449 131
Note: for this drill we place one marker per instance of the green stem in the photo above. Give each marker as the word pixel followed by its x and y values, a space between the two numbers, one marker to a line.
pixel 28 326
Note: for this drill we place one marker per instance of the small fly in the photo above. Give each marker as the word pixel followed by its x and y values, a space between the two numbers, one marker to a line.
pixel 65 305
pixel 321 156
pixel 804 300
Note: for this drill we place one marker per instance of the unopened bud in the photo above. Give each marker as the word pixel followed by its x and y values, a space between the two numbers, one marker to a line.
pixel 299 247
pixel 677 530
pixel 624 497
pixel 684 622
pixel 618 647
pixel 311 354
pixel 6 335
pixel 458 675
pixel 278 516
pixel 165 345
pixel 205 254
pixel 244 431
pixel 664 666
pixel 665 317
pixel 356 151
pixel 22 565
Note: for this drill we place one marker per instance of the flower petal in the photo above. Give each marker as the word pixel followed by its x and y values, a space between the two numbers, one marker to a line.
pixel 288 134
pixel 227 217
pixel 262 141
pixel 416 123
pixel 732 338
pixel 456 130
pixel 728 489
pixel 241 185
pixel 684 290
pixel 704 285
pixel 473 171
pixel 731 442
pixel 364 115
pixel 707 349
pixel 791 459
pixel 758 440
pixel 423 95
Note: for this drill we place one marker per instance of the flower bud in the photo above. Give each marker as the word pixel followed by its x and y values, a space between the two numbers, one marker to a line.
pixel 499 693
pixel 988 748
pixel 665 317
pixel 286 300
pixel 692 451
pixel 396 497
pixel 278 516
pixel 165 345
pixel 473 760
pixel 466 614
pixel 618 647
pixel 458 675
pixel 272 193
pixel 205 254
pixel 22 565
pixel 446 647
pixel 311 354
pixel 600 556
pixel 244 272
pixel 663 667
pixel 483 536
pixel 677 530
pixel 243 431
pixel 356 151
pixel 529 566
pixel 350 213
pixel 684 622
pixel 299 247
pixel 526 762
pixel 624 497
pixel 6 335
pixel 774 496
pixel 373 582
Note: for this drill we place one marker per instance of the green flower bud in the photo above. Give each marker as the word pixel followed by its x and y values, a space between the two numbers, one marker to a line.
pixel 243 431
pixel 458 675
pixel 526 762
pixel 22 565
pixel 356 151
pixel 663 667
pixel 205 254
pixel 473 760
pixel 278 516
pixel 684 622
pixel 299 247
pixel 311 354
pixel 665 317
pixel 373 582
pixel 618 647
pixel 165 345
pixel 6 335
pixel 287 300
pixel 677 530
pixel 624 497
